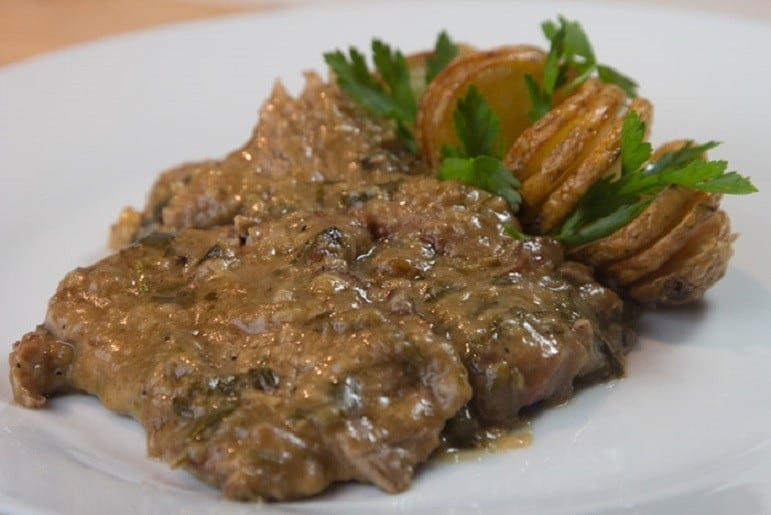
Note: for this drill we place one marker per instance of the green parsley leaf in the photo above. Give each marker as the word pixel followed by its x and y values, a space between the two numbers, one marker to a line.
pixel 613 202
pixel 697 174
pixel 730 183
pixel 516 233
pixel 570 62
pixel 445 50
pixel 540 101
pixel 599 202
pixel 357 81
pixel 634 151
pixel 476 160
pixel 570 52
pixel 486 173
pixel 685 154
pixel 549 29
pixel 476 126
pixel 612 76
pixel 390 96
pixel 575 42
pixel 394 71
pixel 602 226
pixel 551 70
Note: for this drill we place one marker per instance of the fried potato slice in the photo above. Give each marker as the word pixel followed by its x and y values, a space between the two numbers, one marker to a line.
pixel 597 162
pixel 499 75
pixel 656 220
pixel 569 153
pixel 650 259
pixel 563 154
pixel 531 148
pixel 692 270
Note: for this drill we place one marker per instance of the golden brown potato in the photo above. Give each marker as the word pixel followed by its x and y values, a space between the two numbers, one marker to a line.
pixel 569 152
pixel 692 270
pixel 598 162
pixel 530 148
pixel 657 219
pixel 703 207
pixel 671 253
pixel 563 154
pixel 500 77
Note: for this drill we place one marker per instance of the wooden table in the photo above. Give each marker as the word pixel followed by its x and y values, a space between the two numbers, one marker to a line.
pixel 32 27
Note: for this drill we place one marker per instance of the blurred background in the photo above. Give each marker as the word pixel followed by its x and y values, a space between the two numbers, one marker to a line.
pixel 32 27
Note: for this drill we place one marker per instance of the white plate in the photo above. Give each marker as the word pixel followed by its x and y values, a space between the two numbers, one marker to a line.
pixel 84 131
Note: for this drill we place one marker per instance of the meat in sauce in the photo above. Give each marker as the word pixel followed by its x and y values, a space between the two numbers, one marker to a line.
pixel 315 308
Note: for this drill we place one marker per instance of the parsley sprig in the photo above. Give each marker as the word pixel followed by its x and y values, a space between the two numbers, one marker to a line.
pixel 570 62
pixel 389 93
pixel 388 96
pixel 476 126
pixel 445 50
pixel 608 205
pixel 477 160
pixel 614 201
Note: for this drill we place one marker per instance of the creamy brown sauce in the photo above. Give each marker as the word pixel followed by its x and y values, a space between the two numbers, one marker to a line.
pixel 492 441
pixel 315 308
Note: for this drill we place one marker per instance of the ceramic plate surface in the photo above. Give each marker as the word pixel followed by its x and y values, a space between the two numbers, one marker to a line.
pixel 84 132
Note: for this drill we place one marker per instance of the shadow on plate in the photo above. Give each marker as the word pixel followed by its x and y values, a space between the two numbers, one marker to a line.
pixel 737 304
